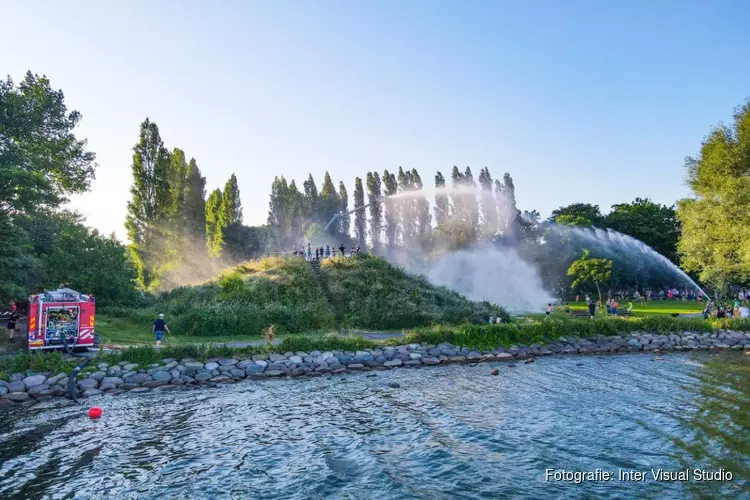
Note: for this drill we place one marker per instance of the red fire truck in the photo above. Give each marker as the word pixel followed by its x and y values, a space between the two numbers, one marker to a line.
pixel 61 318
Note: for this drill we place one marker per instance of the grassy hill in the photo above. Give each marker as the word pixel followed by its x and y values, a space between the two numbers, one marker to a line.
pixel 362 292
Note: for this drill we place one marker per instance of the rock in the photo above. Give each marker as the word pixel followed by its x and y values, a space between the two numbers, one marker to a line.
pixel 128 386
pixel 130 367
pixel 242 365
pixel 495 371
pixel 504 356
pixel 91 392
pixel 237 373
pixel 254 368
pixel 115 381
pixel 34 380
pixel 394 385
pixel 16 386
pixel 98 376
pixel 171 365
pixel 87 383
pixel 36 390
pixel 413 362
pixel 194 365
pixel 211 366
pixel 17 397
pixel 186 379
pixel 57 378
pixel 127 375
pixel 177 381
pixel 17 377
pixel 140 389
pixel 226 362
pixel 415 355
pixel 175 373
pixel 297 360
pixel 155 383
pixel 202 377
pixel 221 378
pixel 3 390
pixel 278 357
pixel 274 373
pixel 430 361
pixel 139 378
pixel 166 376
pixel 356 366
pixel 262 363
pixel 393 362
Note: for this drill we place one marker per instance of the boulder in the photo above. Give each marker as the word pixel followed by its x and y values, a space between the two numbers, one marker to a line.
pixel 356 366
pixel 221 378
pixel 128 386
pixel 34 380
pixel 254 368
pixel 262 363
pixel 139 378
pixel 186 379
pixel 211 366
pixel 116 381
pixel 87 383
pixel 130 367
pixel 415 355
pixel 237 373
pixel 274 373
pixel 17 397
pixel 36 390
pixel 202 377
pixel 140 389
pixel 242 365
pixel 166 376
pixel 171 365
pixel 91 392
pixel 16 386
pixel 297 360
pixel 393 362
pixel 155 383
pixel 3 390
pixel 98 376
pixel 177 381
pixel 228 361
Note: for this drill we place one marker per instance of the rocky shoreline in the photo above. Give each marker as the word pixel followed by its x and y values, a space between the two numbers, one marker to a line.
pixel 172 374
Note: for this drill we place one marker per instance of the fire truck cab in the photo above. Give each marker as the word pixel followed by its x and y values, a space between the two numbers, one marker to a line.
pixel 61 318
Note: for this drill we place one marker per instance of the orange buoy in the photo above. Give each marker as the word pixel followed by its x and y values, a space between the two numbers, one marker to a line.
pixel 95 412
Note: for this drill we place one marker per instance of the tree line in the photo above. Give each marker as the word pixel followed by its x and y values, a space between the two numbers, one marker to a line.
pixel 177 230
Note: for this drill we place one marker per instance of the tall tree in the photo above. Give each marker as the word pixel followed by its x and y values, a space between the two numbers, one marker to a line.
pixel 655 225
pixel 150 206
pixel 715 239
pixel 391 208
pixel 311 200
pixel 472 209
pixel 214 233
pixel 230 218
pixel 583 213
pixel 41 160
pixel 422 213
pixel 329 200
pixel 344 222
pixel 374 195
pixel 177 178
pixel 360 217
pixel 442 204
pixel 194 208
pixel 489 205
pixel 406 208
pixel 278 212
pixel 295 210
pixel 507 210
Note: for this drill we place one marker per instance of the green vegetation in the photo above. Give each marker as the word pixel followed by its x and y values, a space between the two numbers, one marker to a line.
pixel 533 331
pixel 654 307
pixel 587 270
pixel 368 292
pixel 715 222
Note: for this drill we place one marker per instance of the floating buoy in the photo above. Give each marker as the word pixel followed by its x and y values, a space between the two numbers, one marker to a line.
pixel 495 371
pixel 95 412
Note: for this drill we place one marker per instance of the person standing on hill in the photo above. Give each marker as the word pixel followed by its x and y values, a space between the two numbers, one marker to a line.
pixel 160 326
pixel 317 253
pixel 328 250
pixel 341 249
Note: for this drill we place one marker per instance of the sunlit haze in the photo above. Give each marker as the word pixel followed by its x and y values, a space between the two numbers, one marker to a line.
pixel 560 94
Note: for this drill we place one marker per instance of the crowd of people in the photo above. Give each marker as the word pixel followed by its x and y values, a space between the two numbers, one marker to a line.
pixel 737 309
pixel 320 253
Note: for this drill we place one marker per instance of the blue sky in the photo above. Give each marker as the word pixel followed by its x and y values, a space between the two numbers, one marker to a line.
pixel 592 101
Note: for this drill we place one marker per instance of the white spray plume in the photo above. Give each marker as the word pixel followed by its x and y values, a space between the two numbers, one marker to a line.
pixel 498 275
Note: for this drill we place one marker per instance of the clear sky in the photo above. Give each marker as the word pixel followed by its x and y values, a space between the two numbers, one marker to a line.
pixel 596 101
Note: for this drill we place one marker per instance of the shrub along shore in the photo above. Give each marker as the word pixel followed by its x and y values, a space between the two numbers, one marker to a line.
pixel 28 378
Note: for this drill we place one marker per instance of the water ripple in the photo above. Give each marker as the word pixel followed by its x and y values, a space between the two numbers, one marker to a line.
pixel 447 432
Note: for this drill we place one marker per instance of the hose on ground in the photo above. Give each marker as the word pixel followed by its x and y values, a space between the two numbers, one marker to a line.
pixel 72 379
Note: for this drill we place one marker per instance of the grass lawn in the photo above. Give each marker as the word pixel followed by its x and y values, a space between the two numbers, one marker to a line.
pixel 653 307
pixel 129 331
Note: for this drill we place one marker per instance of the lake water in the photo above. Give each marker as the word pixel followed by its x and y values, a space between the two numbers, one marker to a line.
pixel 446 432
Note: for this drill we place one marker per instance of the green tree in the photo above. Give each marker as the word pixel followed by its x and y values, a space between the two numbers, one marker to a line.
pixel 442 204
pixel 588 270
pixel 41 160
pixel 295 212
pixel 360 217
pixel 278 212
pixel 330 203
pixel 150 205
pixel 578 214
pixel 374 194
pixel 312 202
pixel 406 208
pixel 489 223
pixel 231 205
pixel 715 240
pixel 345 221
pixel 214 233
pixel 421 213
pixel 21 270
pixel 655 225
pixel 391 209
pixel 194 206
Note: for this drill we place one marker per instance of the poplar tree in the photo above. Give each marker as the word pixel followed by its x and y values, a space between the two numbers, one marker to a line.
pixel 442 204
pixel 230 218
pixel 374 194
pixel 194 207
pixel 150 204
pixel 311 199
pixel 214 233
pixel 489 205
pixel 406 208
pixel 360 217
pixel 391 209
pixel 422 213
pixel 329 201
pixel 344 222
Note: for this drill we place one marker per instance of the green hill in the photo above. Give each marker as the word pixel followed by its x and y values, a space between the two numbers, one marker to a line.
pixel 361 292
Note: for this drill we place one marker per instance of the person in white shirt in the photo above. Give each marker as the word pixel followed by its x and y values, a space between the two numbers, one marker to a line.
pixel 744 312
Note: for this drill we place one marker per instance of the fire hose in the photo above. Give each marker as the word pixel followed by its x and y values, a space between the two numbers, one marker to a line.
pixel 72 380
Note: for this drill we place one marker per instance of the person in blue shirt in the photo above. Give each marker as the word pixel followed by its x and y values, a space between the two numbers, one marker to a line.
pixel 160 326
